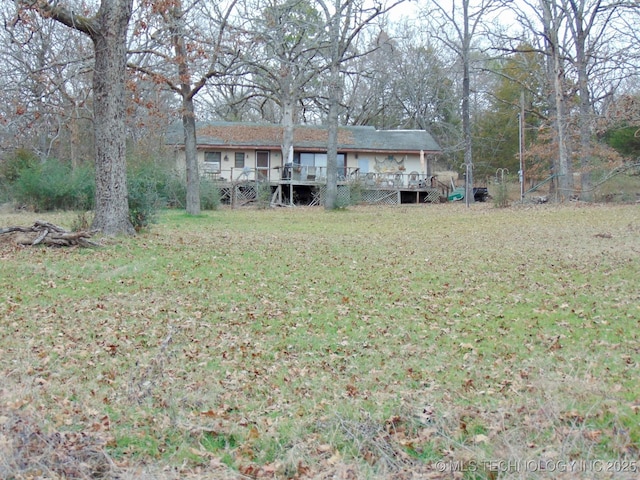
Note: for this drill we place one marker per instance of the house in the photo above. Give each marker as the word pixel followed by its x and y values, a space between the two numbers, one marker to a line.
pixel 380 160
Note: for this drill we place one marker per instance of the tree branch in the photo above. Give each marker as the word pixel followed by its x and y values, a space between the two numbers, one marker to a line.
pixel 51 9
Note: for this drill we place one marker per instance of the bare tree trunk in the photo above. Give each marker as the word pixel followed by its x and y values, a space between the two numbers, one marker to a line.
pixel 287 127
pixel 552 19
pixel 466 114
pixel 112 206
pixel 580 30
pixel 188 111
pixel 345 20
pixel 177 23
pixel 74 135
pixel 457 33
pixel 331 196
pixel 191 156
pixel 585 130
pixel 108 32
pixel 565 170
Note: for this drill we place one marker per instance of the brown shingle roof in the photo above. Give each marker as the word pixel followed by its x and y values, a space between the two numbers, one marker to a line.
pixel 266 136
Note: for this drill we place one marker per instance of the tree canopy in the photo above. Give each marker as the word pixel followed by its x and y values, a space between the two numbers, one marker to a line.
pixel 342 62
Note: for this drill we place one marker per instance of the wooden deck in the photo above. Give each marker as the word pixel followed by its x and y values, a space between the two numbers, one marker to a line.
pixel 307 192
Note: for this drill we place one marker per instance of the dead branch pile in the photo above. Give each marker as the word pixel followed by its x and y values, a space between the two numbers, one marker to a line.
pixel 28 450
pixel 44 233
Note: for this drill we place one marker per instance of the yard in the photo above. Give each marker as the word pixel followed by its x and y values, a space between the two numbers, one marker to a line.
pixel 422 341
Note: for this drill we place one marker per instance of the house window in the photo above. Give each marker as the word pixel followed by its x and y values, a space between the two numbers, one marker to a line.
pixel 319 160
pixel 212 162
pixel 239 163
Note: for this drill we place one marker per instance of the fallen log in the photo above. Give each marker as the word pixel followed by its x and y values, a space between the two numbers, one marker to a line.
pixel 45 233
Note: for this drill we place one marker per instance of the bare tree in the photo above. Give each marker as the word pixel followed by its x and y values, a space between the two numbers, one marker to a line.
pixel 590 24
pixel 284 59
pixel 585 62
pixel 552 21
pixel 46 85
pixel 458 24
pixel 403 83
pixel 296 46
pixel 107 29
pixel 344 19
pixel 171 50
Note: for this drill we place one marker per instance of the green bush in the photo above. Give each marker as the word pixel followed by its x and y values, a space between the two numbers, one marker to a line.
pixel 356 192
pixel 152 187
pixel 501 194
pixel 144 182
pixel 53 185
pixel 209 195
pixel 4 193
pixel 20 160
pixel 173 191
pixel 171 188
pixel 263 195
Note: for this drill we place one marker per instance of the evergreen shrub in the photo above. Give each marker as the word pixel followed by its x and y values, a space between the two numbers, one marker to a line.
pixel 144 182
pixel 53 185
pixel 209 195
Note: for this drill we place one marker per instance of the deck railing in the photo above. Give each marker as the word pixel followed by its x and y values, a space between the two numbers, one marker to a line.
pixel 301 174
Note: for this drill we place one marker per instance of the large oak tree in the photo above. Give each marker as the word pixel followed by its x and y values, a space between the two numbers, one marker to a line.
pixel 107 29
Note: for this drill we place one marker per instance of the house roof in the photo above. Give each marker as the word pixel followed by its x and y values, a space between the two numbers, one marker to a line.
pixel 269 136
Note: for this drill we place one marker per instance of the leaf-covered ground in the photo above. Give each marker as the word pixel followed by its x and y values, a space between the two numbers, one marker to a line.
pixel 406 342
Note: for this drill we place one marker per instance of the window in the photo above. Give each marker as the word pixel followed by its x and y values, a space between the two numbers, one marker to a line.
pixel 239 163
pixel 319 160
pixel 212 162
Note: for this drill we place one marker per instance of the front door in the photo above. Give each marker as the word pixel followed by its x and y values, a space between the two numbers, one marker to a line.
pixel 262 165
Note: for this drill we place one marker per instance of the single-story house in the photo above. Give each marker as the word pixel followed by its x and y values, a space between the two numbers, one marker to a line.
pixel 394 166
pixel 232 150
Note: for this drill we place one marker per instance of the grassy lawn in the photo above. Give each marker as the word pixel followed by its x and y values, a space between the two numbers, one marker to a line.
pixel 404 342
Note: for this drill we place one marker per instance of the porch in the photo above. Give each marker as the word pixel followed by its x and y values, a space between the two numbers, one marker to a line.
pixel 304 185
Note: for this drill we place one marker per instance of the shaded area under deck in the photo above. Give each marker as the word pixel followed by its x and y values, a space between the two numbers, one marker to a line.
pixel 306 193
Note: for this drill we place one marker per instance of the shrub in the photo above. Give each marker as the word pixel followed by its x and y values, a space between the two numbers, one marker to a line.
pixel 4 193
pixel 263 194
pixel 173 190
pixel 152 186
pixel 143 184
pixel 54 185
pixel 11 167
pixel 501 195
pixel 357 190
pixel 209 195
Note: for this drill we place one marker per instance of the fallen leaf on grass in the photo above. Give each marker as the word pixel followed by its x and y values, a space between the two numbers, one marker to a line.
pixel 201 453
pixel 593 435
pixel 335 458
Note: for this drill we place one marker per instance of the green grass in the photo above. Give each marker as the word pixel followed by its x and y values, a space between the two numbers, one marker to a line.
pixel 299 342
